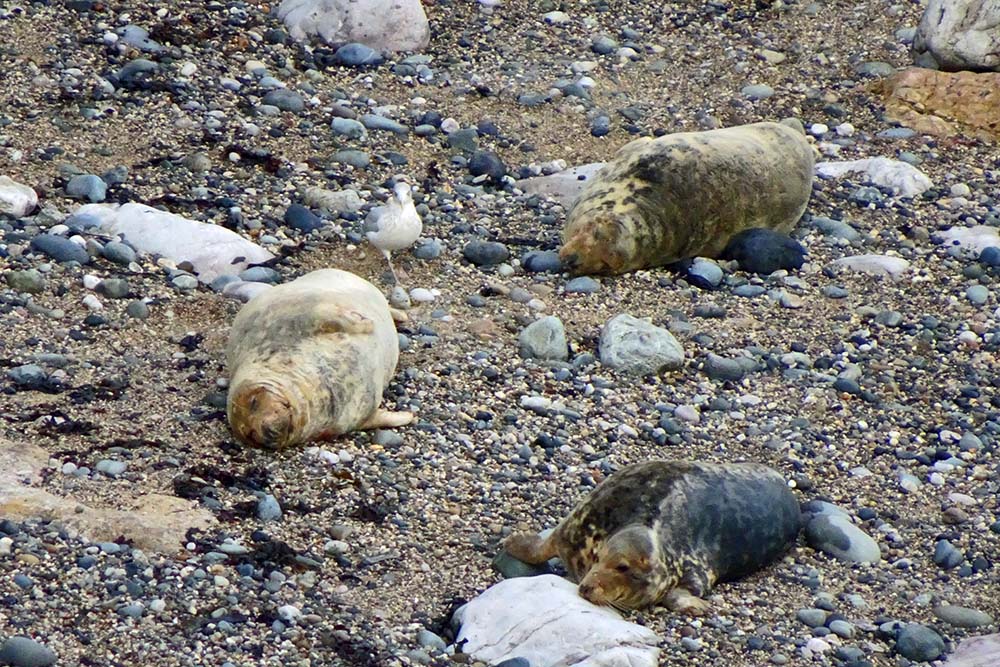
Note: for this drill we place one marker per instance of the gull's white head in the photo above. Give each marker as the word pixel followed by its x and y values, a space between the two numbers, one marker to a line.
pixel 402 190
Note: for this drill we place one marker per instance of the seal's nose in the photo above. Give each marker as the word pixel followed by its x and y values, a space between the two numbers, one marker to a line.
pixel 589 592
pixel 570 260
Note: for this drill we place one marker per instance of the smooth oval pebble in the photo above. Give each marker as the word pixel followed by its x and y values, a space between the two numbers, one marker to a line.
pixel 20 651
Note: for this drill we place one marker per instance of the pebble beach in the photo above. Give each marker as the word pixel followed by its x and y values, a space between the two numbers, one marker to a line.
pixel 867 375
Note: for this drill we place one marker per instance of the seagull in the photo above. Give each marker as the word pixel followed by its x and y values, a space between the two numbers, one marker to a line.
pixel 396 225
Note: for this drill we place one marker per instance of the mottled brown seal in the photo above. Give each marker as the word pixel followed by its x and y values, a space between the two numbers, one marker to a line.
pixel 309 360
pixel 685 195
pixel 667 531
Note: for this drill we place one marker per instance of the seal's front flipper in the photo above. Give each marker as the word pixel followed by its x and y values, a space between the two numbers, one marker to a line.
pixel 530 548
pixel 399 316
pixel 682 601
pixel 387 419
pixel 338 320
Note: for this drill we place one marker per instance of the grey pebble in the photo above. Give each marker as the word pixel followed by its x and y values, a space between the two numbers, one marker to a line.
pixel 260 274
pixel 962 617
pixel 20 651
pixel 349 128
pixel 137 310
pixel 721 368
pixel 60 248
pixel 114 288
pixel 428 639
pixel 946 556
pixel 111 468
pixel 919 643
pixel 838 537
pixel 638 347
pixel 541 261
pixel 184 282
pixel 760 91
pixel 582 285
pixel 268 508
pixel 376 122
pixel 977 295
pixel 87 186
pixel 119 253
pixel 485 253
pixel 545 338
pixel 814 618
pixel 30 281
pixel 429 249
pixel 286 100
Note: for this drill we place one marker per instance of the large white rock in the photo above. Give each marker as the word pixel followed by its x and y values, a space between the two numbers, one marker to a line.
pixel 384 25
pixel 961 34
pixel 974 239
pixel 636 346
pixel 902 178
pixel 212 250
pixel 16 200
pixel 545 621
pixel 563 186
pixel 982 651
pixel 876 265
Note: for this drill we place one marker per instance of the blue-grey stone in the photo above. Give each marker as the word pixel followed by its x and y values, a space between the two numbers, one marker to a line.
pixel 301 218
pixel 977 295
pixel 531 99
pixel 836 536
pixel 875 69
pixel 946 556
pixel 814 618
pixel 764 251
pixel 20 651
pixel 220 282
pixel 510 568
pixel 137 310
pixel 582 285
pixel 919 643
pixel 604 45
pixel 87 186
pixel 184 281
pixel 119 253
pixel 600 126
pixel 376 122
pixel 760 91
pixel 834 292
pixel 354 158
pixel 268 508
pixel 132 69
pixel 749 291
pixel 429 249
pixel 541 261
pixel 487 163
pixel 286 100
pixel 465 139
pixel 638 347
pixel 114 288
pixel 133 610
pixel 111 468
pixel 704 273
pixel 425 130
pixel 962 617
pixel 23 581
pixel 545 339
pixel 115 176
pixel 260 274
pixel 836 228
pixel 485 253
pixel 866 195
pixel 357 55
pixel 60 248
pixel 990 256
pixel 348 127
pixel 79 222
pixel 514 662
pixel 896 133
pixel 428 639
pixel 721 368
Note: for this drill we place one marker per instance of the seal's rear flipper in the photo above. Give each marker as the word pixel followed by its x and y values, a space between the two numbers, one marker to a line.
pixel 337 320
pixel 387 419
pixel 530 548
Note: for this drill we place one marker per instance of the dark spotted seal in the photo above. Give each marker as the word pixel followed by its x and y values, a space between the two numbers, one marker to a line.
pixel 309 360
pixel 685 195
pixel 667 531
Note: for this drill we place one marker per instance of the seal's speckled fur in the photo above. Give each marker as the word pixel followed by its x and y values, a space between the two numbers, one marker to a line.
pixel 667 531
pixel 310 359
pixel 686 194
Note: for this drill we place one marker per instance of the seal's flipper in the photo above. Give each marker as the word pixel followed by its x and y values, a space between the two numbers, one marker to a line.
pixel 399 316
pixel 387 419
pixel 682 601
pixel 338 320
pixel 530 548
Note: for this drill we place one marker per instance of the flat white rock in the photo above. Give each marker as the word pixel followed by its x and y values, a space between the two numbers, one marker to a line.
pixel 543 620
pixel 563 186
pixel 972 238
pixel 983 651
pixel 242 290
pixel 212 250
pixel 16 199
pixel 384 25
pixel 875 265
pixel 902 178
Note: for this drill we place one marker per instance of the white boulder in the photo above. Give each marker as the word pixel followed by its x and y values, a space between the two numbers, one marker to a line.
pixel 960 34
pixel 545 621
pixel 384 25
pixel 902 178
pixel 563 186
pixel 212 250
pixel 16 200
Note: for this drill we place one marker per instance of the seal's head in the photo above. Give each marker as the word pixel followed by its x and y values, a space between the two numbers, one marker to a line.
pixel 263 416
pixel 596 246
pixel 626 574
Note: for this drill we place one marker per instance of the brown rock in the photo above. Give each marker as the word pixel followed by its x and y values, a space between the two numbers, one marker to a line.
pixel 154 522
pixel 944 103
